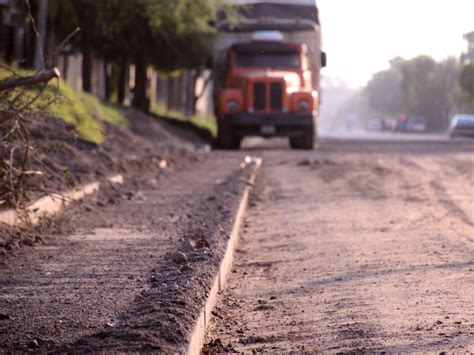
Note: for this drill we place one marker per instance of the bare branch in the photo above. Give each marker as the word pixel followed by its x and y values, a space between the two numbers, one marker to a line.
pixel 64 42
pixel 11 71
pixel 43 77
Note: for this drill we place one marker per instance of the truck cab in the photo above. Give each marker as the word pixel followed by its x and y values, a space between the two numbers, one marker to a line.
pixel 267 75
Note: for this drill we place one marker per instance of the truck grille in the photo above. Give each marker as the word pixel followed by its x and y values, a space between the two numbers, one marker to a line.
pixel 260 96
pixel 276 96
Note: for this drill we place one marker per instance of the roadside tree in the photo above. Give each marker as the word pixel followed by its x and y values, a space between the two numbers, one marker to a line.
pixel 467 79
pixel 167 35
pixel 419 87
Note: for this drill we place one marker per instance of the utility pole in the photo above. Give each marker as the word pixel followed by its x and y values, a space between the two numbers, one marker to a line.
pixel 42 22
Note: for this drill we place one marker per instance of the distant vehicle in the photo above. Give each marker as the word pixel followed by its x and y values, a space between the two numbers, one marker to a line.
pixel 402 124
pixel 409 123
pixel 389 124
pixel 462 125
pixel 374 125
pixel 416 125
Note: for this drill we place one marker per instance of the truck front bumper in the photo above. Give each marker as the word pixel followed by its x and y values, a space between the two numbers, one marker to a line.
pixel 268 125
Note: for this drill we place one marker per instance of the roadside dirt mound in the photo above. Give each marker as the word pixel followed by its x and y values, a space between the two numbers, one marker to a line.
pixel 132 276
pixel 65 160
pixel 141 153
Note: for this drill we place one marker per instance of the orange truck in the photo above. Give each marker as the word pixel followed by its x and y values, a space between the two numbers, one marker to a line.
pixel 266 72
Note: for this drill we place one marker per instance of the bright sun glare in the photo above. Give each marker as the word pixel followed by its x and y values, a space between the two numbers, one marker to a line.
pixel 361 36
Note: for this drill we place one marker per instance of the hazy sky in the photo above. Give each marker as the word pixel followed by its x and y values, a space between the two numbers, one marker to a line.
pixel 361 36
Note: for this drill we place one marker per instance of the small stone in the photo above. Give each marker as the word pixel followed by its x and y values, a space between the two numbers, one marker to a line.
pixel 188 246
pixel 180 258
pixel 202 243
pixel 28 241
pixel 304 162
pixel 186 268
pixel 163 164
pixel 33 344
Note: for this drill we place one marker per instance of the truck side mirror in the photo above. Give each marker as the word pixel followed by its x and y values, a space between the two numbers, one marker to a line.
pixel 323 59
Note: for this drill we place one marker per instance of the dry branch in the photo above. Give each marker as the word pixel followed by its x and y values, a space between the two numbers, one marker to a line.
pixel 41 78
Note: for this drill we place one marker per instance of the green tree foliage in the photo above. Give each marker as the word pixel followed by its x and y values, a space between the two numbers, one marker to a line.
pixel 384 91
pixel 170 34
pixel 419 87
pixel 166 34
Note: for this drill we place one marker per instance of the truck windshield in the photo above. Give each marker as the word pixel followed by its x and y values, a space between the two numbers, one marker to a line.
pixel 257 60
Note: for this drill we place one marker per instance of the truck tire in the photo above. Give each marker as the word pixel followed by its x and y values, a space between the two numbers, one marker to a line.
pixel 306 141
pixel 227 140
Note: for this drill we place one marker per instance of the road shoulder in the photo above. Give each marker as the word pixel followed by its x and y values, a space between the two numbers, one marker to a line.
pixel 131 276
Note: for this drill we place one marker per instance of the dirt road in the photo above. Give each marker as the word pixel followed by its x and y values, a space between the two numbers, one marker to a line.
pixel 359 246
pixel 129 276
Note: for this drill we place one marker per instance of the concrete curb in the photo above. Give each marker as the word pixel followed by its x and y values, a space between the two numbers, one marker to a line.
pixel 51 204
pixel 196 338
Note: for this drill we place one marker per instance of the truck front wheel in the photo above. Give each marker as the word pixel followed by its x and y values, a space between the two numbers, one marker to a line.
pixel 306 141
pixel 226 139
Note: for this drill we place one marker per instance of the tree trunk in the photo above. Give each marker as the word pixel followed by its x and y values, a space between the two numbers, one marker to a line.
pixel 42 27
pixel 66 67
pixel 86 67
pixel 195 96
pixel 169 94
pixel 52 60
pixel 140 100
pixel 29 46
pixel 109 78
pixel 122 82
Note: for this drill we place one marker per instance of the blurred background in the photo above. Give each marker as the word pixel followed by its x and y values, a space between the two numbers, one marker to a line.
pixel 400 65
pixel 397 65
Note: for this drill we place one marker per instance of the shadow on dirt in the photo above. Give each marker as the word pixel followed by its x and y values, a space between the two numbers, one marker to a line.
pixel 187 128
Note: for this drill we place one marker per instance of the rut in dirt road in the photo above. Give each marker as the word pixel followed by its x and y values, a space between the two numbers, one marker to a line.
pixel 356 247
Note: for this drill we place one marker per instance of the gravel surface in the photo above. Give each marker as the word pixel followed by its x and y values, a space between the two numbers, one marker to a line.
pixel 357 247
pixel 130 268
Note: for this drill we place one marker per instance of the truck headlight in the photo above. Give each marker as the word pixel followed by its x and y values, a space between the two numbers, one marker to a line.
pixel 232 106
pixel 304 106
